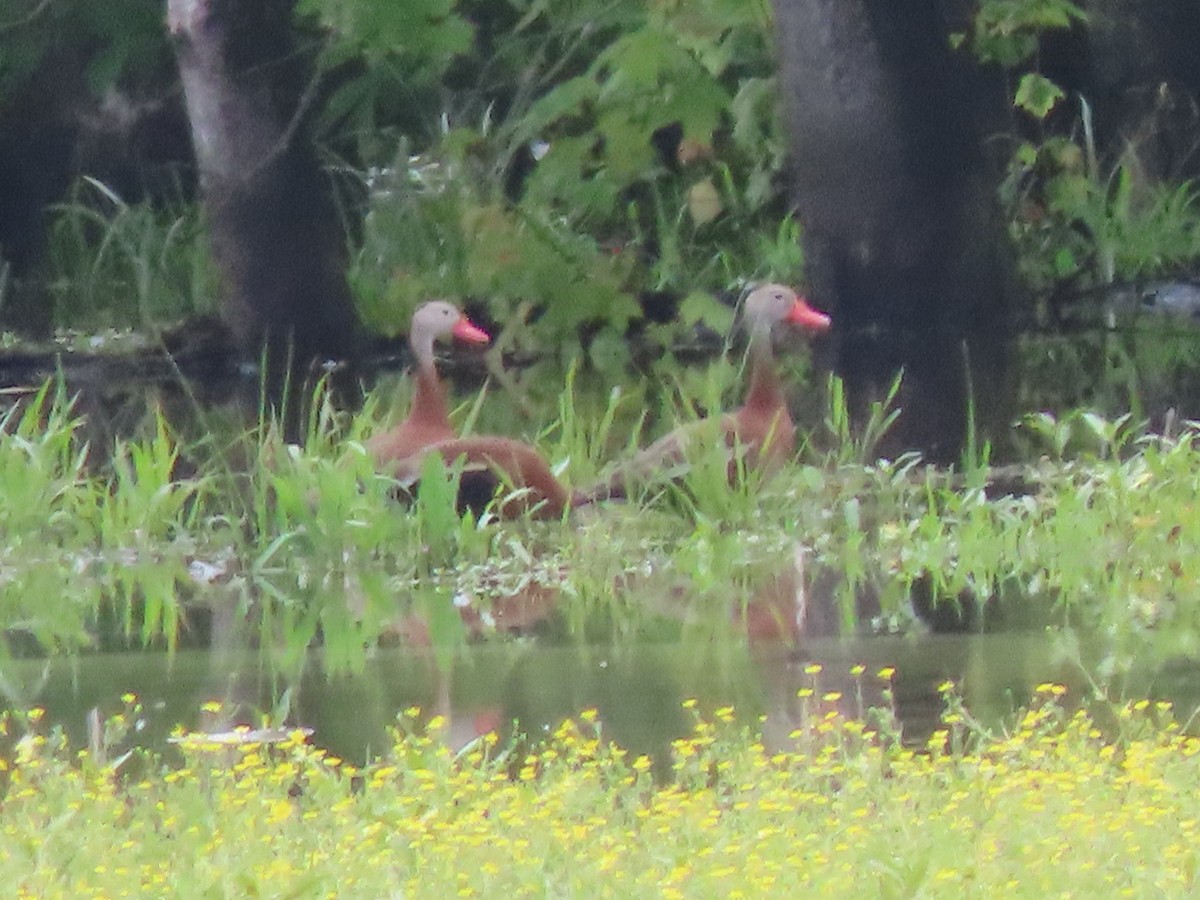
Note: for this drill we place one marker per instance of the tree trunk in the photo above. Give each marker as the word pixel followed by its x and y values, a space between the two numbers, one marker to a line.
pixel 902 232
pixel 275 236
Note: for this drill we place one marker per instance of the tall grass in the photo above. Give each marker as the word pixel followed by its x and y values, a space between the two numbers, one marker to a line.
pixel 119 264
pixel 308 546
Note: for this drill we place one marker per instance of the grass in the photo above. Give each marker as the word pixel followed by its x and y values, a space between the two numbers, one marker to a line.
pixel 112 263
pixel 1057 803
pixel 308 548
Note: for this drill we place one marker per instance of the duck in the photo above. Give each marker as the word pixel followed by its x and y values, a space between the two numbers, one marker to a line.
pixel 761 431
pixel 428 419
pixel 498 468
pixel 491 465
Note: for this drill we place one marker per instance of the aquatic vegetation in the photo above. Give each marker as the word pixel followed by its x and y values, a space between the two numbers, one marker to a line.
pixel 1054 804
pixel 305 546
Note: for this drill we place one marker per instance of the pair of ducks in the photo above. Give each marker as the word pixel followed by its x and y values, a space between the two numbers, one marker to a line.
pixel 762 427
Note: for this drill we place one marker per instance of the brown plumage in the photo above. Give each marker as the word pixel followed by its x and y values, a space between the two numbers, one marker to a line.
pixel 493 466
pixel 762 427
pixel 428 420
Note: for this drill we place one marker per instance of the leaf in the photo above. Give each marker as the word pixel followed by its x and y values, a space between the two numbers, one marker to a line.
pixel 609 354
pixel 568 98
pixel 627 146
pixel 1070 194
pixel 753 102
pixel 1065 263
pixel 1037 94
pixel 436 507
pixel 702 307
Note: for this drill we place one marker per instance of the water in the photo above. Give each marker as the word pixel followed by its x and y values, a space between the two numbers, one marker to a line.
pixel 638 690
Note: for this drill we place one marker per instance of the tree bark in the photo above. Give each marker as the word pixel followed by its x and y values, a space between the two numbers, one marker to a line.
pixel 274 231
pixel 895 194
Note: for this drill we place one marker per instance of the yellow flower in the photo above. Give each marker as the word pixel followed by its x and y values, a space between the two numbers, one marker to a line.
pixel 279 811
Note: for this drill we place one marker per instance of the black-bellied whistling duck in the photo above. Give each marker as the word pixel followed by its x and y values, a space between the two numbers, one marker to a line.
pixel 494 466
pixel 491 464
pixel 428 420
pixel 762 427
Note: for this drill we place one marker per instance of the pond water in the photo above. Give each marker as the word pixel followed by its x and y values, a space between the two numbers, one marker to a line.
pixel 638 690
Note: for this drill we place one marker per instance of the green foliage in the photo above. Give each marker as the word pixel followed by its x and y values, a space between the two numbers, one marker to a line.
pixel 537 178
pixel 115 264
pixel 104 45
pixel 1037 95
pixel 148 524
pixel 309 549
pixel 400 51
pixel 1076 219
pixel 582 434
pixel 703 68
pixel 1007 31
pixel 858 444
pixel 47 517
pixel 1074 224
pixel 435 230
pixel 610 204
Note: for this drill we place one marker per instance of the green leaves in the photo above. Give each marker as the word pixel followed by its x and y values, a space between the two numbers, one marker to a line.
pixel 110 44
pixel 1007 31
pixel 420 33
pixel 700 307
pixel 1037 95
pixel 641 82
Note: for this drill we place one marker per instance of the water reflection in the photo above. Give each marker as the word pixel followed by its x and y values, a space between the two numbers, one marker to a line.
pixel 638 690
pixel 770 604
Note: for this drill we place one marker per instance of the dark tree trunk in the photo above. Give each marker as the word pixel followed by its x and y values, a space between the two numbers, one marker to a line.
pixel 275 235
pixel 902 233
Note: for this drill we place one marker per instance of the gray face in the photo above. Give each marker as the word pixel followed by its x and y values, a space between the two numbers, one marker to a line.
pixel 436 319
pixel 768 305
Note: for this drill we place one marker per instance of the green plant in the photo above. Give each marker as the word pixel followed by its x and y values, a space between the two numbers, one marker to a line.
pixel 543 188
pixel 146 526
pixel 1007 31
pixel 444 232
pixel 47 523
pixel 578 435
pixel 848 446
pixel 1084 433
pixel 113 263
pixel 45 43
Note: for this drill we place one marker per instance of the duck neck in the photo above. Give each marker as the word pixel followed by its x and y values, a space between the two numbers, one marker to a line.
pixel 429 399
pixel 765 391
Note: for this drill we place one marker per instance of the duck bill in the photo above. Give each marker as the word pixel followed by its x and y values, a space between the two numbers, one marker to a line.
pixel 465 330
pixel 808 318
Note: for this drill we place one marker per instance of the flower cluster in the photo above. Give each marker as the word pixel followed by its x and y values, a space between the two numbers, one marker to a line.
pixel 1054 806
